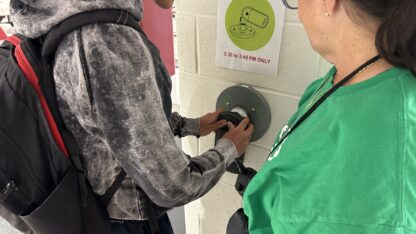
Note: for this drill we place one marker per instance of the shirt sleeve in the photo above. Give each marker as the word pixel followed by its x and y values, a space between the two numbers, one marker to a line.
pixel 130 115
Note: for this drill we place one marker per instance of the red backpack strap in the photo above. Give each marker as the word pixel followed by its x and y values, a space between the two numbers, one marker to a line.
pixel 14 40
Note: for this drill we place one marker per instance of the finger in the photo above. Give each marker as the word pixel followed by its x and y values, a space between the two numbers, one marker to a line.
pixel 219 111
pixel 230 126
pixel 250 129
pixel 219 124
pixel 212 117
pixel 215 114
pixel 243 124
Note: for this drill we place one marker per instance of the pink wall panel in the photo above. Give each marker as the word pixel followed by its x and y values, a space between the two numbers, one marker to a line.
pixel 157 24
pixel 3 35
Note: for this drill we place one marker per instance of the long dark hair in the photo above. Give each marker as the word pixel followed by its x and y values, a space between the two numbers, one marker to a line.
pixel 396 37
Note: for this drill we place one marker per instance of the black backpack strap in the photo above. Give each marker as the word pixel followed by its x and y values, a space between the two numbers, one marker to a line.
pixel 56 35
pixel 75 157
pixel 108 195
pixel 73 149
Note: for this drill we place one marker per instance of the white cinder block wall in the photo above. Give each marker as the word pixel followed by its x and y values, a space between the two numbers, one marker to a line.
pixel 201 83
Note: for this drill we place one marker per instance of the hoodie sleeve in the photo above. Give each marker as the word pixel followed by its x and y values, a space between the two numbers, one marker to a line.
pixel 182 126
pixel 129 114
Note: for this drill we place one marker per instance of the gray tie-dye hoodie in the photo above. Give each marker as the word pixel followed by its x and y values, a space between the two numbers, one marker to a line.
pixel 115 99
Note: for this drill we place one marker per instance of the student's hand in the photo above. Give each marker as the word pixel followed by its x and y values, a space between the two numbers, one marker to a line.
pixel 165 4
pixel 240 135
pixel 208 123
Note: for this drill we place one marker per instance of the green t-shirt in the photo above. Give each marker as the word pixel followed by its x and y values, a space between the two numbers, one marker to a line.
pixel 349 168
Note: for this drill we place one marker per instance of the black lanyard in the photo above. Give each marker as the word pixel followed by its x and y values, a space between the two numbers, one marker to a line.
pixel 324 97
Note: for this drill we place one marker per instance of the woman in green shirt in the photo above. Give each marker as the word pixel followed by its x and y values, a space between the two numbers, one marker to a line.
pixel 345 163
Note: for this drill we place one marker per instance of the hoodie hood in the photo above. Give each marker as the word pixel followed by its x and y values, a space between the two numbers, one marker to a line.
pixel 33 18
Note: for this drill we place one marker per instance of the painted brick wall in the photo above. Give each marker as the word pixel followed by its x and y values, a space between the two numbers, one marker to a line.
pixel 201 83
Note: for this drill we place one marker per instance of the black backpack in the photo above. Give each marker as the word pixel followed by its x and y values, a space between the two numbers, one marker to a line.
pixel 42 177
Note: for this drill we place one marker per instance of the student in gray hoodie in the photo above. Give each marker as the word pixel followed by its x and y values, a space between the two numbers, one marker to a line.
pixel 114 96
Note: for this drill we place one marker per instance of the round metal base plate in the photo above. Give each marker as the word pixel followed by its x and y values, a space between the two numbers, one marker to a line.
pixel 242 96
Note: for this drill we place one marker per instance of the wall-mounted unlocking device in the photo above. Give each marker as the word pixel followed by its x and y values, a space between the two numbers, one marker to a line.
pixel 243 101
pixel 250 20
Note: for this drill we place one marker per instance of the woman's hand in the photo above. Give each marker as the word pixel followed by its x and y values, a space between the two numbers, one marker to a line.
pixel 165 4
pixel 208 123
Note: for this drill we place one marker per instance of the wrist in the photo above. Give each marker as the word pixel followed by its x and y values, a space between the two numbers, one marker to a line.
pixel 189 127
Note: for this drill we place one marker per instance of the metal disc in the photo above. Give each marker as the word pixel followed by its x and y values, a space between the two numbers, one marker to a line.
pixel 242 96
